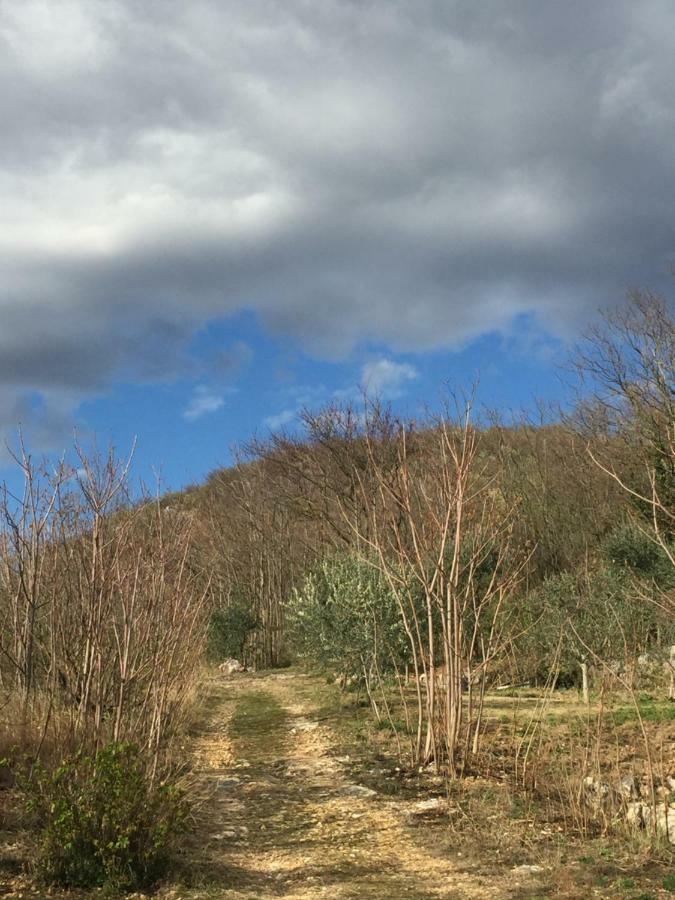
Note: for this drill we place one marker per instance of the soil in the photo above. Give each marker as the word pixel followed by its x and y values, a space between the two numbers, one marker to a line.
pixel 298 795
pixel 288 820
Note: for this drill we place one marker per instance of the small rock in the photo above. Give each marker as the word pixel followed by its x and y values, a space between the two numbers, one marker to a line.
pixel 230 666
pixel 229 782
pixel 304 725
pixel 527 870
pixel 358 791
pixel 635 814
pixel 629 787
pixel 236 831
pixel 432 805
pixel 641 815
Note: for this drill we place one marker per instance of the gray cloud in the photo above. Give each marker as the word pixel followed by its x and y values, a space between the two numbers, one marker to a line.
pixel 226 364
pixel 44 420
pixel 414 173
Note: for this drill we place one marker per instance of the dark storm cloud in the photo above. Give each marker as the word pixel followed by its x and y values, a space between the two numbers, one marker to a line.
pixel 415 173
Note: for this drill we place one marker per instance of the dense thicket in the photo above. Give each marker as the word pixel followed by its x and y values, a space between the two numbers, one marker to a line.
pixel 102 611
pixel 475 549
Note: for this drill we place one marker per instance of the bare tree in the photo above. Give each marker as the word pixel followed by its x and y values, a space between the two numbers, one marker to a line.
pixel 102 608
pixel 439 529
pixel 627 364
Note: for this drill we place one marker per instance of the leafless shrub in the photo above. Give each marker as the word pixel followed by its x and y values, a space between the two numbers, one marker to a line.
pixel 102 611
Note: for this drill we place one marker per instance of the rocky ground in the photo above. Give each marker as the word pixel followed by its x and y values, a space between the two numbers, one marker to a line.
pixel 292 801
pixel 289 821
pixel 298 807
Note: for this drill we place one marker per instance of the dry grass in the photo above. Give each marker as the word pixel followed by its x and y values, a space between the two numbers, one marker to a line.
pixel 50 733
pixel 274 751
pixel 43 730
pixel 283 747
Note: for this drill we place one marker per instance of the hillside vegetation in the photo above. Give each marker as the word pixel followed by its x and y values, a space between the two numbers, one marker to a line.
pixel 472 580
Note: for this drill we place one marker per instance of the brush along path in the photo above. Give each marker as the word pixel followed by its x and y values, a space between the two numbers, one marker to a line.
pixel 285 820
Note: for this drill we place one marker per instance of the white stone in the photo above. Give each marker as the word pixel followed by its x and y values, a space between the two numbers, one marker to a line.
pixel 357 791
pixel 433 804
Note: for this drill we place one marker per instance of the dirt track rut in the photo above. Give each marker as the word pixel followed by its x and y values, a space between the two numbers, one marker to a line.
pixel 285 819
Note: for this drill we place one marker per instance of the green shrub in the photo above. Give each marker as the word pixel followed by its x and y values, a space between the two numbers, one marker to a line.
pixel 229 627
pixel 101 821
pixel 345 618
pixel 629 548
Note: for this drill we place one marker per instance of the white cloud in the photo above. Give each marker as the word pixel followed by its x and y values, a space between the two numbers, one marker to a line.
pixel 285 417
pixel 383 378
pixel 387 379
pixel 202 403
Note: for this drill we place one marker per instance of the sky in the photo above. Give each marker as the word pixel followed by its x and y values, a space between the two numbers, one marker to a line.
pixel 215 213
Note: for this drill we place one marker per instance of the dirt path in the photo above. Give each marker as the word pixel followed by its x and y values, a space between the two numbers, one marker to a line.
pixel 287 821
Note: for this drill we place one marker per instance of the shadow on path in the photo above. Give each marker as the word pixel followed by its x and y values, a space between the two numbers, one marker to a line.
pixel 283 819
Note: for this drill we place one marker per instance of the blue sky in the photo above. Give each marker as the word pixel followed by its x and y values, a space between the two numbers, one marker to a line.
pixel 215 212
pixel 182 439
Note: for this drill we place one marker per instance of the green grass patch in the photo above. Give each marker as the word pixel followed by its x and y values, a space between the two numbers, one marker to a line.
pixel 398 725
pixel 258 722
pixel 650 710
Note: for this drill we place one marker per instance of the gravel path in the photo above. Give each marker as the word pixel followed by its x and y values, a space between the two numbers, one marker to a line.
pixel 286 820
